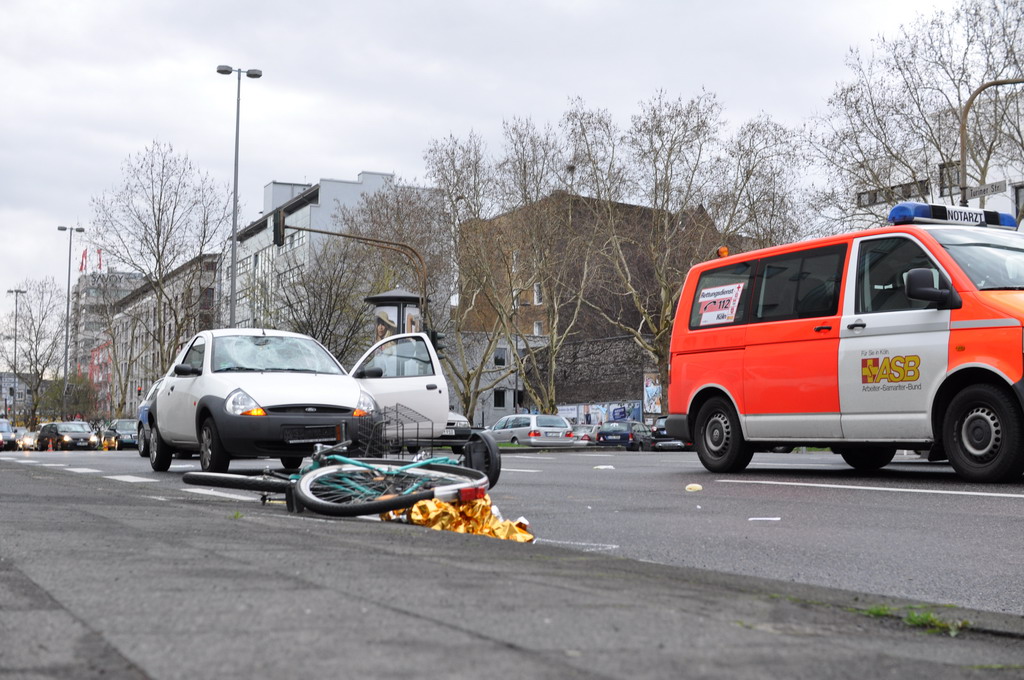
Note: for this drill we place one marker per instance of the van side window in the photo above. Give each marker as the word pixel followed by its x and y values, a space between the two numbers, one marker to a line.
pixel 722 296
pixel 882 267
pixel 800 285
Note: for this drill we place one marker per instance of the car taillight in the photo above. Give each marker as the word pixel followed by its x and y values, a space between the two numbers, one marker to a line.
pixel 569 434
pixel 533 433
pixel 585 437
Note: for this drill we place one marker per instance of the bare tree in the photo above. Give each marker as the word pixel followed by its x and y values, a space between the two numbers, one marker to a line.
pixel 40 344
pixel 891 132
pixel 163 219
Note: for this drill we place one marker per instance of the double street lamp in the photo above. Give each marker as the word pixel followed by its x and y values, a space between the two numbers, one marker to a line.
pixel 17 292
pixel 250 73
pixel 67 319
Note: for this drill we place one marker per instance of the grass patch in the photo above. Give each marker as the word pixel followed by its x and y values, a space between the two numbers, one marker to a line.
pixel 932 623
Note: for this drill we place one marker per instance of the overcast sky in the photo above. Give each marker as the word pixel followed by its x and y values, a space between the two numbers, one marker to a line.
pixel 354 86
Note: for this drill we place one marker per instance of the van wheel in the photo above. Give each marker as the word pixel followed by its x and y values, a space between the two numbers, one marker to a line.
pixel 719 441
pixel 866 458
pixel 981 435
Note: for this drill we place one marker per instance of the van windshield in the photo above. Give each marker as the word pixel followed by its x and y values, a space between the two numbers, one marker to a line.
pixel 992 259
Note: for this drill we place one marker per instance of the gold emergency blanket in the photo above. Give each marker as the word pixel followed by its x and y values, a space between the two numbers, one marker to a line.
pixel 469 517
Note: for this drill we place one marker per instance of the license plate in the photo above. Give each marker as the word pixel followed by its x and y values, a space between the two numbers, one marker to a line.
pixel 613 437
pixel 311 435
pixel 448 433
pixel 552 434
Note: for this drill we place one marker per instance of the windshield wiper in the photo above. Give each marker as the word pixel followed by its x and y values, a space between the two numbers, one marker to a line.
pixel 230 369
pixel 1002 288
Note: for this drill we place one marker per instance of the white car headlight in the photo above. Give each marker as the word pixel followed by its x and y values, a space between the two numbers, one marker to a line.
pixel 365 405
pixel 239 403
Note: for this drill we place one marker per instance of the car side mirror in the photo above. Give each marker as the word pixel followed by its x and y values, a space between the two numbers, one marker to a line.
pixel 183 370
pixel 921 286
pixel 369 372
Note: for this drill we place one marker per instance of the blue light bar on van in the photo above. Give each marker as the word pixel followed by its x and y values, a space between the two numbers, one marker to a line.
pixel 926 213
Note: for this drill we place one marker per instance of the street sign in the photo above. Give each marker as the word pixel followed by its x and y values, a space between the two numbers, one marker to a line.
pixel 986 189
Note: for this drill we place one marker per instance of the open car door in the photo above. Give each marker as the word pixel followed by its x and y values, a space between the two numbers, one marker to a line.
pixel 403 374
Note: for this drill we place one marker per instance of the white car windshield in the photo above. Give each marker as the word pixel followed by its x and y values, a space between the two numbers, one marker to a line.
pixel 271 353
pixel 994 259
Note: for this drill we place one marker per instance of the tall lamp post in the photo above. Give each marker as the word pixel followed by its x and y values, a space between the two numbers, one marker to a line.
pixel 250 73
pixel 67 320
pixel 17 292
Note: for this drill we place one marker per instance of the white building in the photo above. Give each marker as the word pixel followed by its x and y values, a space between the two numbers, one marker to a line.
pixel 312 206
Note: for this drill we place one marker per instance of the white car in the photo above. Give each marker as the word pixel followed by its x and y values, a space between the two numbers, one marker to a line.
pixel 253 393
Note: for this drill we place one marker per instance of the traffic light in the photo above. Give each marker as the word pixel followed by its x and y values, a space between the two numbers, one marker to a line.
pixel 279 227
pixel 138 391
pixel 436 340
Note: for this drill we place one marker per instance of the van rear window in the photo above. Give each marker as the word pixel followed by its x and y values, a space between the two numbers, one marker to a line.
pixel 722 296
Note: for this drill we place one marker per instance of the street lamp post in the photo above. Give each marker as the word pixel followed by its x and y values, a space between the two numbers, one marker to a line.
pixel 17 292
pixel 250 73
pixel 67 320
pixel 963 130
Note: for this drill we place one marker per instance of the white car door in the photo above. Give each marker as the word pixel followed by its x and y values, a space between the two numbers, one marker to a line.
pixel 403 374
pixel 176 402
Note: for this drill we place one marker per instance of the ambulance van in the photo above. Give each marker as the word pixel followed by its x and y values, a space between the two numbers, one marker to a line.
pixel 907 336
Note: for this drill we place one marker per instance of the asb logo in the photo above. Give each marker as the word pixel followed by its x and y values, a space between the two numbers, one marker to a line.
pixel 890 369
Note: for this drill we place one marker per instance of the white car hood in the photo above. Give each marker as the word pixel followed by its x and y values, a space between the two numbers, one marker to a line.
pixel 282 389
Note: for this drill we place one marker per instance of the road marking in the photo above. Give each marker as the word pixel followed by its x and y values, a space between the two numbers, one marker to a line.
pixel 80 470
pixel 764 519
pixel 507 469
pixel 53 465
pixel 598 455
pixel 876 488
pixel 519 455
pixel 25 461
pixel 130 478
pixel 221 494
pixel 183 466
pixel 586 547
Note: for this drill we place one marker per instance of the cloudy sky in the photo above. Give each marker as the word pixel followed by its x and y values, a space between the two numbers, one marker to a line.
pixel 352 86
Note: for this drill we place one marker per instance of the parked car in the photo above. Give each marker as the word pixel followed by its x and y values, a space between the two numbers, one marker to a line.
pixel 119 434
pixel 456 432
pixel 8 438
pixel 631 434
pixel 539 430
pixel 145 419
pixel 28 440
pixel 663 441
pixel 257 393
pixel 585 435
pixel 75 434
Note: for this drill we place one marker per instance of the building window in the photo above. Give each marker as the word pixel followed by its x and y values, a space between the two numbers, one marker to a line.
pixel 538 328
pixel 538 295
pixel 499 398
pixel 501 356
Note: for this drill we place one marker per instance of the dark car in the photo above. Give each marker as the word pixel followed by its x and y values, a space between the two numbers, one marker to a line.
pixel 145 419
pixel 662 440
pixel 119 434
pixel 630 434
pixel 74 434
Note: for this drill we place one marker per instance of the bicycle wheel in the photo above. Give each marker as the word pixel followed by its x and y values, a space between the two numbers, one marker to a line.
pixel 226 480
pixel 374 486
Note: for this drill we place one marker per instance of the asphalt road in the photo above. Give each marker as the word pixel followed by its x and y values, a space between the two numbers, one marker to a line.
pixel 109 570
pixel 912 530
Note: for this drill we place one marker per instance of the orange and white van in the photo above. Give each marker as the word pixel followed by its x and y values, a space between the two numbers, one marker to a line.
pixel 909 336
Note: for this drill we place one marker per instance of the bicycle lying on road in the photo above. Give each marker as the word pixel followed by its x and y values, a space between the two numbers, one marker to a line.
pixel 334 484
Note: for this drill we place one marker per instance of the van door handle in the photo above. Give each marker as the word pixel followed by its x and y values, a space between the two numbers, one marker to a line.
pixel 857 324
pixel 431 387
pixel 818 329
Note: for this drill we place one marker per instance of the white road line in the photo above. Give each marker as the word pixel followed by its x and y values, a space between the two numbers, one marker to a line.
pixel 519 455
pixel 876 488
pixel 222 494
pixel 507 469
pixel 599 455
pixel 586 547
pixel 53 465
pixel 81 470
pixel 130 478
pixel 764 519
pixel 25 461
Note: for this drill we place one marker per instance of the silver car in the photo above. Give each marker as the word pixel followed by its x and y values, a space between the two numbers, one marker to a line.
pixel 538 430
